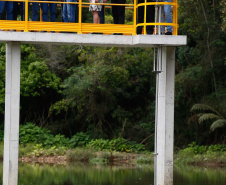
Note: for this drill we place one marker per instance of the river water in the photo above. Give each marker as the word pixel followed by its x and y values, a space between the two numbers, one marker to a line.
pixel 81 174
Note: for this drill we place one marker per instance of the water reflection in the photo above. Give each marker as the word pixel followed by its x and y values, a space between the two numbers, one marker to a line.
pixel 80 174
pixel 192 175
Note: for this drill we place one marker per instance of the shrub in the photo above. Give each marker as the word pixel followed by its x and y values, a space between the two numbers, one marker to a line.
pixel 31 133
pixel 217 148
pixel 80 154
pixel 119 144
pixel 99 144
pixel 79 139
pixel 197 149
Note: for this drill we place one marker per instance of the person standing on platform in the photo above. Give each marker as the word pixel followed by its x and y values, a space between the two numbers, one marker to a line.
pixel 70 11
pixel 35 7
pixel 9 9
pixel 52 8
pixel 118 12
pixel 167 15
pixel 150 17
pixel 62 10
pixel 95 9
pixel 16 8
pixel 102 13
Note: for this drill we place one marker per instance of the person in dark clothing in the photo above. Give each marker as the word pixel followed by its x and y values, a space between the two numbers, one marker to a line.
pixel 118 12
pixel 8 5
pixel 17 7
pixel 101 15
pixel 51 7
pixel 150 17
pixel 35 7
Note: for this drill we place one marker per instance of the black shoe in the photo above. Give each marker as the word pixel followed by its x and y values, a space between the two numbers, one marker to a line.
pixel 168 33
pixel 96 33
pixel 117 34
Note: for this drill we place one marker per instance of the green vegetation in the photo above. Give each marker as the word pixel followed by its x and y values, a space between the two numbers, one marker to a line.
pixel 44 138
pixel 79 148
pixel 118 144
pixel 82 148
pixel 195 154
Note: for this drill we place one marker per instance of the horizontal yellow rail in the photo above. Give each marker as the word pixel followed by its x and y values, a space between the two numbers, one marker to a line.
pixel 83 28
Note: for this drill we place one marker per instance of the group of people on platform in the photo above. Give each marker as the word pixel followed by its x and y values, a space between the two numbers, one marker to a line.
pixel 69 13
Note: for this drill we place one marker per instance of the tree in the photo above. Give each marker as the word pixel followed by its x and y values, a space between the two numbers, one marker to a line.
pixel 207 114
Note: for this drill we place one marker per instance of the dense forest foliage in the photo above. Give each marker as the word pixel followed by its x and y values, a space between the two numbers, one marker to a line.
pixel 110 92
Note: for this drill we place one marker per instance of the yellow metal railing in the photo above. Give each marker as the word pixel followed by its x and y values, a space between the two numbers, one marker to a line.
pixel 83 28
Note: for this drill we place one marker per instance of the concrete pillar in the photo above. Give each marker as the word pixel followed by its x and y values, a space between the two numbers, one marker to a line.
pixel 12 108
pixel 165 118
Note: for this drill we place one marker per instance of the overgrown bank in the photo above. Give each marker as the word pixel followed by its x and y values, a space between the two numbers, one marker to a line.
pixel 213 155
pixel 39 145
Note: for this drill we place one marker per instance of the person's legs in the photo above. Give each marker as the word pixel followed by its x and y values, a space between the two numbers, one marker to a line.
pixel 2 7
pixel 121 12
pixel 65 12
pixel 167 10
pixel 163 20
pixel 21 11
pixel 115 11
pixel 101 15
pixel 35 7
pixel 15 10
pixel 44 7
pixel 9 10
pixel 76 12
pixel 96 18
pixel 150 17
pixel 62 11
pixel 71 11
pixel 24 11
pixel 52 7
pixel 140 16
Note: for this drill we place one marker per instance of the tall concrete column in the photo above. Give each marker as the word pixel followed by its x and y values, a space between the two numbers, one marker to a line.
pixel 165 118
pixel 12 108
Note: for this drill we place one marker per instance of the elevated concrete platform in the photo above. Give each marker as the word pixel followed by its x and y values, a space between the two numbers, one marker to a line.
pixel 92 39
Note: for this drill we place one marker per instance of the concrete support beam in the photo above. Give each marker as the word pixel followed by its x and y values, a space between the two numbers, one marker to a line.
pixel 165 118
pixel 12 108
pixel 93 40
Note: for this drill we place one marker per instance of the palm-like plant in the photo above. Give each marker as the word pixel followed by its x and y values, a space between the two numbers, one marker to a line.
pixel 207 113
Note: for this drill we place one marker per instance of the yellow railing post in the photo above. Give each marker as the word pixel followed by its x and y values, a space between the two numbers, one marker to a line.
pixel 40 14
pixel 80 17
pixel 26 16
pixel 135 18
pixel 145 17
pixel 176 18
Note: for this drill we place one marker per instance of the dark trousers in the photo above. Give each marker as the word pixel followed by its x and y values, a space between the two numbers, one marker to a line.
pixel 17 7
pixel 118 12
pixel 150 17
pixel 101 15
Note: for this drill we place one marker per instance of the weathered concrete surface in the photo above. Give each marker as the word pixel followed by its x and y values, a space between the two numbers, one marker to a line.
pixel 12 108
pixel 93 39
pixel 165 118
